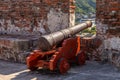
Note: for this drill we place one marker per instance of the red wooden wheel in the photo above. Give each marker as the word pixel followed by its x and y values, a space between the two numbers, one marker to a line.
pixel 63 65
pixel 81 58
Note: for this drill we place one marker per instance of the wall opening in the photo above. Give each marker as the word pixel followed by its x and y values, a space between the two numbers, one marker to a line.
pixel 86 10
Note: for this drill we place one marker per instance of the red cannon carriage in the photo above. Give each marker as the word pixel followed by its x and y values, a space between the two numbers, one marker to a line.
pixel 58 50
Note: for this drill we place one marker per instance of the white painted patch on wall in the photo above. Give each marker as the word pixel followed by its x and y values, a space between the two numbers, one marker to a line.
pixel 72 20
pixel 112 43
pixel 57 20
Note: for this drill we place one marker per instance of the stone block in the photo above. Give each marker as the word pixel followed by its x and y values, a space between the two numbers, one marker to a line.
pixel 17 48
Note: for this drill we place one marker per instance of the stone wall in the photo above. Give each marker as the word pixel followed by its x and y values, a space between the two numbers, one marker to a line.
pixel 22 22
pixel 108 29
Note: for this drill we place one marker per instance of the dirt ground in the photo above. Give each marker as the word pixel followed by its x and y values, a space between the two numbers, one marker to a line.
pixel 90 71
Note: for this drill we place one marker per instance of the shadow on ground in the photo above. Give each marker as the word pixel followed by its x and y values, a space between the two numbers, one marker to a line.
pixel 7 68
pixel 91 71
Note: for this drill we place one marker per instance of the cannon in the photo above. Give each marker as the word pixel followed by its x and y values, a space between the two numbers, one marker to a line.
pixel 56 51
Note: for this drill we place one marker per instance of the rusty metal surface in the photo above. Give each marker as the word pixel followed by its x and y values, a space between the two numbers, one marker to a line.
pixel 48 41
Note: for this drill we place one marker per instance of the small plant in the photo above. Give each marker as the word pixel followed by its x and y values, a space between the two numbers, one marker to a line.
pixel 89 30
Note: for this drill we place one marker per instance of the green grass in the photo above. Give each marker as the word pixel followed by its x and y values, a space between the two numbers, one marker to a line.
pixel 89 30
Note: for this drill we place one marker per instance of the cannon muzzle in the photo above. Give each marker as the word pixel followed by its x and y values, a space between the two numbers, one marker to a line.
pixel 47 42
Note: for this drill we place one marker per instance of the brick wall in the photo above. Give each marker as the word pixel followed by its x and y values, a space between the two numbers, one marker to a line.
pixel 22 22
pixel 108 29
pixel 35 16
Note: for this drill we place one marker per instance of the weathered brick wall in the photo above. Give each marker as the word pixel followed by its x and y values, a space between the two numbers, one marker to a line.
pixel 34 16
pixel 108 29
pixel 22 22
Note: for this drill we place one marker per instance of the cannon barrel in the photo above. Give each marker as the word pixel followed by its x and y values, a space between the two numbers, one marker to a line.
pixel 47 42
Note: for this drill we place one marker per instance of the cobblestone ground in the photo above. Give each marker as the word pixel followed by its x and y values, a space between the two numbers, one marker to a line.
pixel 90 71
